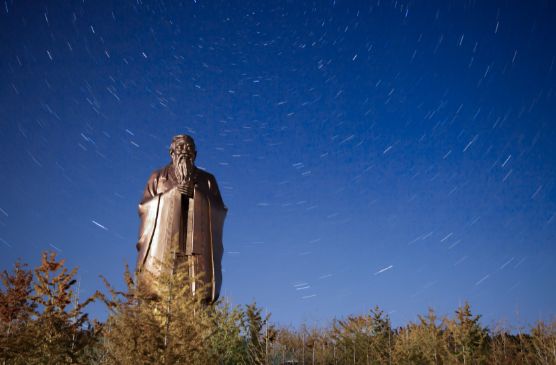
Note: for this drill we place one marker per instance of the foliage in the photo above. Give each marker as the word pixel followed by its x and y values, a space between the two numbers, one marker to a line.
pixel 16 310
pixel 422 342
pixel 175 326
pixel 364 339
pixel 543 343
pixel 227 343
pixel 171 327
pixel 42 321
pixel 466 338
pixel 259 334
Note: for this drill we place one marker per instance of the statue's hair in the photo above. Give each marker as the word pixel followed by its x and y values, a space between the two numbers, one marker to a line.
pixel 188 139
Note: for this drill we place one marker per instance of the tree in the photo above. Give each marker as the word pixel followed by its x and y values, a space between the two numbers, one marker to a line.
pixel 16 309
pixel 43 321
pixel 63 329
pixel 364 339
pixel 288 345
pixel 430 333
pixel 421 343
pixel 172 326
pixel 407 347
pixel 466 338
pixel 132 333
pixel 505 348
pixel 543 343
pixel 227 343
pixel 259 334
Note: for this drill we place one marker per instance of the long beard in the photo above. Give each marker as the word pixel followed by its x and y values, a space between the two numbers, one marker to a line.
pixel 181 168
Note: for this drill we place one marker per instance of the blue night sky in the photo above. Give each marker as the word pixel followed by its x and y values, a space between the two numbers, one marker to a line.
pixel 387 153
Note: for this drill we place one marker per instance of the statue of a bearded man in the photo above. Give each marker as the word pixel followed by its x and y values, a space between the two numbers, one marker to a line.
pixel 182 218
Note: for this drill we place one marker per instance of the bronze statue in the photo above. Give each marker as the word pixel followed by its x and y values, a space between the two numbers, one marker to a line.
pixel 182 217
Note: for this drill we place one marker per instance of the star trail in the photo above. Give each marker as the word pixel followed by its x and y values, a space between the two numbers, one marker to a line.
pixel 391 153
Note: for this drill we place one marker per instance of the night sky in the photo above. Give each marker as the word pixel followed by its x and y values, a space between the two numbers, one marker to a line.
pixel 389 153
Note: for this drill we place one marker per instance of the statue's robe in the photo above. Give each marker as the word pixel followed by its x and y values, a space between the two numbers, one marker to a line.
pixel 176 229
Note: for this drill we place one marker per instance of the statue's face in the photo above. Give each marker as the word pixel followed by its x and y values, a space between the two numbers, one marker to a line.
pixel 183 149
pixel 183 157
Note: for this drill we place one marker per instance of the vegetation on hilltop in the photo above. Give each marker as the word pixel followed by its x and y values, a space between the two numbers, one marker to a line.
pixel 42 321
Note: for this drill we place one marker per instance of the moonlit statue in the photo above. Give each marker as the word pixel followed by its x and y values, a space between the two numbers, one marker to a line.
pixel 182 217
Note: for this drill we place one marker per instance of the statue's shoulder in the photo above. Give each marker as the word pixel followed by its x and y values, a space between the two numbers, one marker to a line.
pixel 209 182
pixel 161 173
pixel 206 179
pixel 159 180
pixel 204 175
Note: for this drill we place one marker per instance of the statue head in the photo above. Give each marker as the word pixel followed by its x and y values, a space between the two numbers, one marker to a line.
pixel 183 153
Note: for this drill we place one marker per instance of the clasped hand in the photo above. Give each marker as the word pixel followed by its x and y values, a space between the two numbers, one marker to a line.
pixel 186 188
